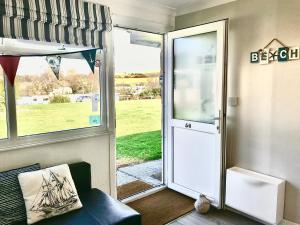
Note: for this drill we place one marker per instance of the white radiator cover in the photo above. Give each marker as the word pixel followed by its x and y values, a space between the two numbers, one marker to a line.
pixel 255 194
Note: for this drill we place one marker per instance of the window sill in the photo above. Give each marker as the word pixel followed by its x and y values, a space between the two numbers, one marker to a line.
pixel 52 138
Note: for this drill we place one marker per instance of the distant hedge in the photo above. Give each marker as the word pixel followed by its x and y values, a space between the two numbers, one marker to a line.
pixel 60 99
pixel 150 93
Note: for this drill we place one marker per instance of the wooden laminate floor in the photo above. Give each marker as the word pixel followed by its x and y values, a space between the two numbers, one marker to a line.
pixel 214 217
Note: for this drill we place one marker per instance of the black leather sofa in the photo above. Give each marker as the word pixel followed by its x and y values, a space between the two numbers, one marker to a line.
pixel 98 208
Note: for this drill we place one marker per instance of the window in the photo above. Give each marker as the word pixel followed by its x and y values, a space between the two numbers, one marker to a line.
pixel 46 104
pixel 3 125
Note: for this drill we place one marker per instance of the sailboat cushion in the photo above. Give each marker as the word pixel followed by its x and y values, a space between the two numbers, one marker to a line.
pixel 12 207
pixel 48 192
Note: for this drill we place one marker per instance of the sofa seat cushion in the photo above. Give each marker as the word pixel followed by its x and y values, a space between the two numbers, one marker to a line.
pixel 98 209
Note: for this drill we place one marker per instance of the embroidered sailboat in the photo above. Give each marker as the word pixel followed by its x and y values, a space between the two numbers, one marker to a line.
pixel 56 195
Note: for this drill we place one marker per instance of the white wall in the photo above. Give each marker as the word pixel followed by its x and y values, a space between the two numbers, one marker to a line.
pixel 263 131
pixel 93 150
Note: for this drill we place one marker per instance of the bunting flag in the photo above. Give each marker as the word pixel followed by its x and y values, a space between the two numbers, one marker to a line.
pixel 54 62
pixel 10 63
pixel 90 57
pixel 10 66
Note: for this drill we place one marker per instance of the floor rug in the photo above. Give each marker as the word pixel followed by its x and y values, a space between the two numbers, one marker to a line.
pixel 162 207
pixel 132 188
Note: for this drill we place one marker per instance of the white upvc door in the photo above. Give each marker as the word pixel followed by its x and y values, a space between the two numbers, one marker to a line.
pixel 195 110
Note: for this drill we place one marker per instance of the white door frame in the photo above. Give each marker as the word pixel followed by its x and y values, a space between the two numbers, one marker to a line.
pixel 113 179
pixel 221 28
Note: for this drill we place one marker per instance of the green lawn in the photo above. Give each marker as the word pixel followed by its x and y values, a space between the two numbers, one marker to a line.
pixel 138 130
pixel 2 123
pixel 138 124
pixel 139 147
pixel 43 118
pixel 138 116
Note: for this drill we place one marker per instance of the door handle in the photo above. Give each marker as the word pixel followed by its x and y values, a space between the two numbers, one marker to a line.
pixel 219 120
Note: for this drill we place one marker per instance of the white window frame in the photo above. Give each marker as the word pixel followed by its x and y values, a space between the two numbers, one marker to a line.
pixel 13 141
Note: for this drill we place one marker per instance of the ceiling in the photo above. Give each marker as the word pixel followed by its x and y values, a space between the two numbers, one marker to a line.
pixel 176 3
pixel 187 6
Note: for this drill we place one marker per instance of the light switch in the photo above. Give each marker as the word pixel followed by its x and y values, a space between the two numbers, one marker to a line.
pixel 233 101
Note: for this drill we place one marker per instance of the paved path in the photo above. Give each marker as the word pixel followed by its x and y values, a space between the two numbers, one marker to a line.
pixel 148 172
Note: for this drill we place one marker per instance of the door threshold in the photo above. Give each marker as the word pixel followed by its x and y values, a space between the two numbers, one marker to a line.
pixel 144 194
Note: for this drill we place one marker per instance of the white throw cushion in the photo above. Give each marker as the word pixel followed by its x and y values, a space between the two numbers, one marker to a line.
pixel 48 192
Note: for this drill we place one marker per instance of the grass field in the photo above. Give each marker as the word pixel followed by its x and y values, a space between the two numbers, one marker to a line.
pixel 138 124
pixel 43 118
pixel 135 81
pixel 138 116
pixel 138 130
pixel 2 123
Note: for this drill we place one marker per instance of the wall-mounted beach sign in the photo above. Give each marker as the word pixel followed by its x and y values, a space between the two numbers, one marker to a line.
pixel 280 54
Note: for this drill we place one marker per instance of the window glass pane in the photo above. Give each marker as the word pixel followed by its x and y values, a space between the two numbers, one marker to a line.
pixel 3 124
pixel 195 77
pixel 47 104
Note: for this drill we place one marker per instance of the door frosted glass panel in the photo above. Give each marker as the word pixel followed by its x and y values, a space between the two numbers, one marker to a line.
pixel 195 77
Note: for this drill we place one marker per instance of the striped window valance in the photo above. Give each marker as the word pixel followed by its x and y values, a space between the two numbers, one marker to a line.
pixel 74 22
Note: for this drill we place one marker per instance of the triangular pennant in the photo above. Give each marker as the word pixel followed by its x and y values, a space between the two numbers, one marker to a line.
pixel 10 66
pixel 54 63
pixel 90 57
